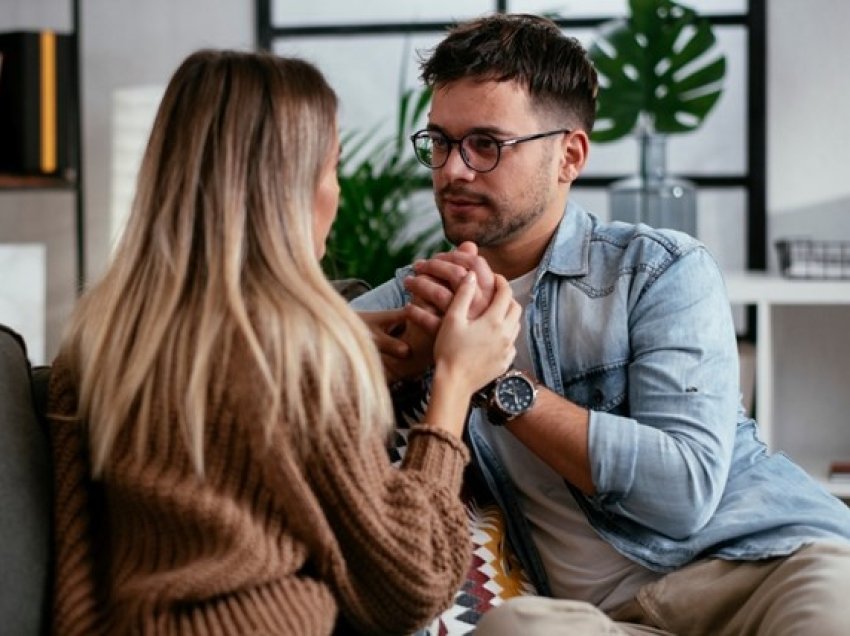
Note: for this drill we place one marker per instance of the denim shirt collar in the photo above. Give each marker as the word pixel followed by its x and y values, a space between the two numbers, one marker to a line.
pixel 568 253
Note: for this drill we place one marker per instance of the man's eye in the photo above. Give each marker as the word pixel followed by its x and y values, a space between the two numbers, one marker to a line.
pixel 439 142
pixel 482 143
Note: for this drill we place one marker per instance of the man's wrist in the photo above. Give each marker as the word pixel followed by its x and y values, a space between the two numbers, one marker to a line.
pixel 507 397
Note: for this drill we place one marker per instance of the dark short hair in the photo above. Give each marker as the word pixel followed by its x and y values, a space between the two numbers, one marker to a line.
pixel 529 49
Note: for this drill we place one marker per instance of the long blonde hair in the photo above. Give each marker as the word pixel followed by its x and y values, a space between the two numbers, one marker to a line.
pixel 219 246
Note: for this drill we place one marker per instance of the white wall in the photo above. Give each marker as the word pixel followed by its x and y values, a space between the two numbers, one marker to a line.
pixel 808 174
pixel 130 43
pixel 808 103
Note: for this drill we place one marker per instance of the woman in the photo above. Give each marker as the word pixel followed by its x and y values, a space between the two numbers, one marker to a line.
pixel 219 414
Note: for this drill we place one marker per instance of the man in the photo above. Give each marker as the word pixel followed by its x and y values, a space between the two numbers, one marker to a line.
pixel 637 493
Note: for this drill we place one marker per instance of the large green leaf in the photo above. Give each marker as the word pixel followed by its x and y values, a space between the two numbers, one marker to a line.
pixel 372 235
pixel 658 68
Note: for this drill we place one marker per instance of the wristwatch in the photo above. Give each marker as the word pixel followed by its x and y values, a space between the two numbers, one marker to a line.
pixel 507 397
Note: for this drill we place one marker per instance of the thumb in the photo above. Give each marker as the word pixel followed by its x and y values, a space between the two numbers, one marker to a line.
pixel 463 296
pixel 468 247
pixel 391 317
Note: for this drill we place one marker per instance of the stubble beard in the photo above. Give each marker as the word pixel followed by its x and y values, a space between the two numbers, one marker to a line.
pixel 505 221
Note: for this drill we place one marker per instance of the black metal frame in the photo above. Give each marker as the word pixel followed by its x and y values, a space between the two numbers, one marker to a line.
pixel 754 20
pixel 79 207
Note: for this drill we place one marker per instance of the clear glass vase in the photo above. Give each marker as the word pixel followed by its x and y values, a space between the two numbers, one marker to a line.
pixel 654 197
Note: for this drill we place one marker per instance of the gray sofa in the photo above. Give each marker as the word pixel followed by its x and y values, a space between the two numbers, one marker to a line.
pixel 24 491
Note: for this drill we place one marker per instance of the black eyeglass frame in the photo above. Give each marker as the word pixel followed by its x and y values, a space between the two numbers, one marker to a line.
pixel 500 143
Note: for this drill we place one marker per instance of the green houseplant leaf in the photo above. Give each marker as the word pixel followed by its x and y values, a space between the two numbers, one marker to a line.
pixel 658 69
pixel 373 235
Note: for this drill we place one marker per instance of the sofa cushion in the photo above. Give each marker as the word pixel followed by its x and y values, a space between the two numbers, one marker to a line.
pixel 495 573
pixel 24 496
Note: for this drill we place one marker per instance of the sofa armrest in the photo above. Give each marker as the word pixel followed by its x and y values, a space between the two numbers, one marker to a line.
pixel 25 493
pixel 350 288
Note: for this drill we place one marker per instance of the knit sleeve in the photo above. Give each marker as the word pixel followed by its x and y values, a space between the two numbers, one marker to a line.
pixel 75 600
pixel 402 533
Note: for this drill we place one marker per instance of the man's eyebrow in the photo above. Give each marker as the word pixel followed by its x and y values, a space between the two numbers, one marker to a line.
pixel 489 130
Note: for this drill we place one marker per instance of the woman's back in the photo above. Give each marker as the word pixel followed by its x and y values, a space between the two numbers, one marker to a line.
pixel 261 543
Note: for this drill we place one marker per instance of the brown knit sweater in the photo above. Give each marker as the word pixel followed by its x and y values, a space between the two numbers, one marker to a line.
pixel 261 544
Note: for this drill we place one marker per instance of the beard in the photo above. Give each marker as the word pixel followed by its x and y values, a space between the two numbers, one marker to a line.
pixel 506 218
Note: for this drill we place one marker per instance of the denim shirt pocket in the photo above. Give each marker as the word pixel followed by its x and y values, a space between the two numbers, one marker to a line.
pixel 603 388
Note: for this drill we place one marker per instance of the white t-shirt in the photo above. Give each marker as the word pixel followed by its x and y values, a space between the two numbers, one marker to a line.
pixel 579 563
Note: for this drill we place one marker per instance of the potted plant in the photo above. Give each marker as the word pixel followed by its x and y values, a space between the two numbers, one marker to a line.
pixel 375 233
pixel 660 74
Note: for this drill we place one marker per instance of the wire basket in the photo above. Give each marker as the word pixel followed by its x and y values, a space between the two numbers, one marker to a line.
pixel 808 258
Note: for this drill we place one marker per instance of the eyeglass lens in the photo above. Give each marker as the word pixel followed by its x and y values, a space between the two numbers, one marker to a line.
pixel 479 151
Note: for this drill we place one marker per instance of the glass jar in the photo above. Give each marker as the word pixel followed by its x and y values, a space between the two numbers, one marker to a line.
pixel 653 196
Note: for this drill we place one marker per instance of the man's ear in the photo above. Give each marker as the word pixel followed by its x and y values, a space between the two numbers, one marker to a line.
pixel 575 148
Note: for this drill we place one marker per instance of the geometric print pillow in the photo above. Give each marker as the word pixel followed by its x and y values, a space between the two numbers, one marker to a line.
pixel 495 573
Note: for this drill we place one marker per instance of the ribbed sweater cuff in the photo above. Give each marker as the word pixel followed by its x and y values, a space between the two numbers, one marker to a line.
pixel 436 452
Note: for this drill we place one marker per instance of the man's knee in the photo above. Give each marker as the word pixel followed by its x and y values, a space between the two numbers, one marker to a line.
pixel 533 615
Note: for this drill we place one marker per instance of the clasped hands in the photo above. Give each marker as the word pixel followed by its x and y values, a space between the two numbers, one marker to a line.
pixel 431 326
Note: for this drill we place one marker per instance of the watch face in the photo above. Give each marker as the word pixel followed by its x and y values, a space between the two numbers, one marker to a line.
pixel 515 394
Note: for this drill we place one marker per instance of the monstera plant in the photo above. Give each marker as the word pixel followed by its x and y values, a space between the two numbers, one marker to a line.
pixel 659 74
pixel 659 70
pixel 375 230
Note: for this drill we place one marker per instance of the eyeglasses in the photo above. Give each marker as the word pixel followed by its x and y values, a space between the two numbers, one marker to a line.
pixel 480 151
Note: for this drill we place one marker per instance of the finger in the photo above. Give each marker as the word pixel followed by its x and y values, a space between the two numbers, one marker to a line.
pixel 442 270
pixel 462 259
pixel 423 318
pixel 514 319
pixel 383 319
pixel 419 302
pixel 391 316
pixel 471 262
pixel 463 297
pixel 502 298
pixel 468 247
pixel 514 312
pixel 390 346
pixel 429 291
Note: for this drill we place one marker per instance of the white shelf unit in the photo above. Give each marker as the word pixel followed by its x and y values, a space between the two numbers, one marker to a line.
pixel 824 441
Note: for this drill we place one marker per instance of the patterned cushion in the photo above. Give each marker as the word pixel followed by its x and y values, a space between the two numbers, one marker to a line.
pixel 495 573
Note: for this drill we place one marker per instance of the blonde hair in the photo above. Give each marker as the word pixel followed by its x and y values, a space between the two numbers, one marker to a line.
pixel 219 246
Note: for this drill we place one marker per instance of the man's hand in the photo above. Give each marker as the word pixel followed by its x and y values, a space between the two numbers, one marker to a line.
pixel 421 357
pixel 386 327
pixel 406 350
pixel 437 280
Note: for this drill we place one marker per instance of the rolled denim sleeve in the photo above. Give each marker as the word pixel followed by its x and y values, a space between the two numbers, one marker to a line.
pixel 388 295
pixel 666 464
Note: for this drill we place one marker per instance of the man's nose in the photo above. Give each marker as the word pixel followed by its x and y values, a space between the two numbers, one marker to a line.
pixel 455 167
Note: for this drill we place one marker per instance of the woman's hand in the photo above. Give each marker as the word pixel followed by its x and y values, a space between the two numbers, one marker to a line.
pixel 470 352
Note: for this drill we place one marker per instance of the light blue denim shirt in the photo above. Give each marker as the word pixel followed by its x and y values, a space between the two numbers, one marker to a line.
pixel 634 324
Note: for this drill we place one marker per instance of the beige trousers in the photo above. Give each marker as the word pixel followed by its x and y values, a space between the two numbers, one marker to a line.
pixel 806 593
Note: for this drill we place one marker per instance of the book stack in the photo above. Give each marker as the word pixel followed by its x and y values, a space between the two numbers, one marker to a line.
pixel 839 472
pixel 38 123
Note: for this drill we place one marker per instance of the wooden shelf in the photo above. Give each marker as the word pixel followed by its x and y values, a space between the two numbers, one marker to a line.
pixel 34 182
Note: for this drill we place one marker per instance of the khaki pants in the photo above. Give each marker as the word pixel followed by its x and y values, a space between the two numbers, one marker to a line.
pixel 801 594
